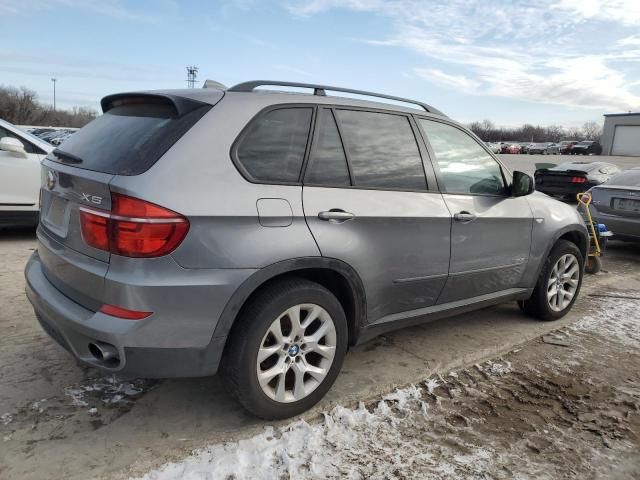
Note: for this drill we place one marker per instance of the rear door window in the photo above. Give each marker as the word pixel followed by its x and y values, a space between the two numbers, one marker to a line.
pixel 382 150
pixel 465 167
pixel 273 147
pixel 128 139
pixel 328 163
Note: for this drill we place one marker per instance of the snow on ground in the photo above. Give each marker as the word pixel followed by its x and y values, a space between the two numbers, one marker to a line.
pixel 108 390
pixel 503 419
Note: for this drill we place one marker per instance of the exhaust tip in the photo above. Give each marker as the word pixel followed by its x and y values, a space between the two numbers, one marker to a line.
pixel 104 353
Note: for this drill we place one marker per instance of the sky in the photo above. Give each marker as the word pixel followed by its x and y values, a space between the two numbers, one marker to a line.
pixel 546 62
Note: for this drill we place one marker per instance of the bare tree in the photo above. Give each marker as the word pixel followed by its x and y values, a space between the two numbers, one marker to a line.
pixel 592 131
pixel 21 106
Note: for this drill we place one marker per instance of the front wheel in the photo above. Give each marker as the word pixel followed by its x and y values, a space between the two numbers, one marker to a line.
pixel 558 285
pixel 286 349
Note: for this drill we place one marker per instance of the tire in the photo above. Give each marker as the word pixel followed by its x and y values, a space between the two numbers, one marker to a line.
pixel 539 305
pixel 593 265
pixel 252 335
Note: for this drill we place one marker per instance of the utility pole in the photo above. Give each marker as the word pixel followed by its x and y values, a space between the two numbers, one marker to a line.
pixel 54 80
pixel 192 73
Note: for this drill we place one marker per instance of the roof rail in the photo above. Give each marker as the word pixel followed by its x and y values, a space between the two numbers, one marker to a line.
pixel 320 90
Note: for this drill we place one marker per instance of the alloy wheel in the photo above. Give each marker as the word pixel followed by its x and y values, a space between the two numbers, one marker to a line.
pixel 296 353
pixel 563 282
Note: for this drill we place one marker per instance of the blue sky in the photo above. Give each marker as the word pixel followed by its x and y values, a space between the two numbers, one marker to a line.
pixel 522 61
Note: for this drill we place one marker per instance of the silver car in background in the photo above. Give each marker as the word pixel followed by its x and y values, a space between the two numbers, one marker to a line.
pixel 260 234
pixel 616 203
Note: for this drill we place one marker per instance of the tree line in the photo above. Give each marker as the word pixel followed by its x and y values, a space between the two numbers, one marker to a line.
pixel 488 132
pixel 20 106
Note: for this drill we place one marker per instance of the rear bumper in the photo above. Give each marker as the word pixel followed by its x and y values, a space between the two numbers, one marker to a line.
pixel 75 327
pixel 628 228
pixel 567 189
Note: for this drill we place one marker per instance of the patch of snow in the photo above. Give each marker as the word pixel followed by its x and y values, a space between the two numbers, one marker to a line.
pixel 6 418
pixel 353 443
pixel 617 319
pixel 107 389
pixel 431 385
pixel 93 411
pixel 496 368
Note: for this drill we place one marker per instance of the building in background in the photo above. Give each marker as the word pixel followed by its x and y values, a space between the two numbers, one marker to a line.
pixel 621 134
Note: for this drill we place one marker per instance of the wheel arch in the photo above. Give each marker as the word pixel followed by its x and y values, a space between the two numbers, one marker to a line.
pixel 335 275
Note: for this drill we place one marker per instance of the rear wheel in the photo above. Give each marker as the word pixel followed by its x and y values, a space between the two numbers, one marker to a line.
pixel 558 285
pixel 286 350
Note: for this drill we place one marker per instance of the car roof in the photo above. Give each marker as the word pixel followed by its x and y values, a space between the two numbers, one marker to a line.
pixel 213 96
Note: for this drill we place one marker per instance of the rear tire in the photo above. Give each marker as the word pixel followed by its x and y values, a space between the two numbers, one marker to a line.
pixel 279 327
pixel 558 285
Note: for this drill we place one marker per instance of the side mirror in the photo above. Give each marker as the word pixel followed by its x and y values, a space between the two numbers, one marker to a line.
pixel 13 145
pixel 523 184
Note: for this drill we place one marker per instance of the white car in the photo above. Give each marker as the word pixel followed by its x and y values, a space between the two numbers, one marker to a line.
pixel 20 157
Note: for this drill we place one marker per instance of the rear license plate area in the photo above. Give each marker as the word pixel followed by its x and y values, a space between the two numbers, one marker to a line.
pixel 56 217
pixel 626 205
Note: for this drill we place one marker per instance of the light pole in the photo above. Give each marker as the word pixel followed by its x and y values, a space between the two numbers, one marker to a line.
pixel 54 93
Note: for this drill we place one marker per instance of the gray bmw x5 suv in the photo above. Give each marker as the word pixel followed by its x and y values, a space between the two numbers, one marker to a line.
pixel 261 233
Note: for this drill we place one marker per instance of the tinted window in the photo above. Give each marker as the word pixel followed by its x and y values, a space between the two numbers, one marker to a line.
pixel 382 150
pixel 273 148
pixel 128 139
pixel 328 162
pixel 465 167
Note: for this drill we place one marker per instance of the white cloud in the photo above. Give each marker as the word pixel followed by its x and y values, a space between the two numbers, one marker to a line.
pixel 623 11
pixel 521 49
pixel 457 82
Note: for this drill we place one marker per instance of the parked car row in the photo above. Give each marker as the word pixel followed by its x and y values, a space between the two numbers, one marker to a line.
pixel 54 136
pixel 565 147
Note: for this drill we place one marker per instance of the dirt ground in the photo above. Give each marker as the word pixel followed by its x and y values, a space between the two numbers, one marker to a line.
pixel 545 411
pixel 564 406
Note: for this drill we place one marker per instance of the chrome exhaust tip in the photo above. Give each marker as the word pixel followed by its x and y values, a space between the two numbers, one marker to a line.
pixel 103 352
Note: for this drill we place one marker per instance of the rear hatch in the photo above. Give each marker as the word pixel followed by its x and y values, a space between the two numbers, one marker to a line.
pixel 132 135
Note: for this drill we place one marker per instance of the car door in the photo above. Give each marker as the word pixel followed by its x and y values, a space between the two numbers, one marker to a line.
pixel 368 203
pixel 20 178
pixel 491 230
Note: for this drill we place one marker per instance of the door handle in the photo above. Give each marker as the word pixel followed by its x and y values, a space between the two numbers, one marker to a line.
pixel 464 217
pixel 335 215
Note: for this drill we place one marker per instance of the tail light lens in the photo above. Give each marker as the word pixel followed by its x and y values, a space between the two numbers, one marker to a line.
pixel 133 228
pixel 578 180
pixel 123 313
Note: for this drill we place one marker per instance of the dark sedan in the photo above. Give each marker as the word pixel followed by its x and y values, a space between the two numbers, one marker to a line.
pixel 586 147
pixel 571 178
pixel 616 203
pixel 566 146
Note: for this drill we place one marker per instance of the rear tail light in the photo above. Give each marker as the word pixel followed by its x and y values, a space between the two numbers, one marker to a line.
pixel 578 180
pixel 133 228
pixel 123 313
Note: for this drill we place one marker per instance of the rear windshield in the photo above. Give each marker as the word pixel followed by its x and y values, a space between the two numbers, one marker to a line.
pixel 128 139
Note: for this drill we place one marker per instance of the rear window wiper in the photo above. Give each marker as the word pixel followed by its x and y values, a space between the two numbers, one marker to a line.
pixel 67 156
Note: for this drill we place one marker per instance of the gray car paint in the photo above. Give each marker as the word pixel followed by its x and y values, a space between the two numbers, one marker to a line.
pixel 394 255
pixel 624 224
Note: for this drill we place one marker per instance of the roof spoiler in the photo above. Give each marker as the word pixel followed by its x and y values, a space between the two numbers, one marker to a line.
pixel 181 105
